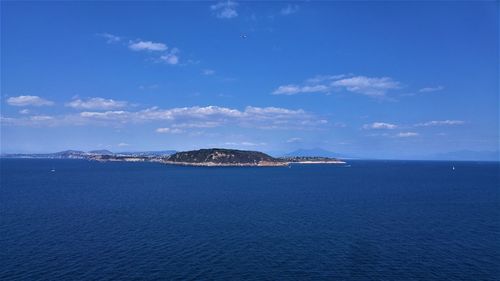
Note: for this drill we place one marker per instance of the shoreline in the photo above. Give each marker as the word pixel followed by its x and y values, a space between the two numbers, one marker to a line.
pixel 260 164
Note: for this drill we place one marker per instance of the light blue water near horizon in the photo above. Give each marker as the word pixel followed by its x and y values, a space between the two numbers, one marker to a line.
pixel 374 220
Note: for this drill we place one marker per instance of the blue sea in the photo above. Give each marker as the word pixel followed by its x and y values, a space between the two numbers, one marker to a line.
pixel 372 220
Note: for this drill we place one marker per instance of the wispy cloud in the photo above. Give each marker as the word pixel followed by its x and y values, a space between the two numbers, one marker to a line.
pixel 440 123
pixel 208 72
pixel 97 103
pixel 407 134
pixel 169 131
pixel 149 87
pixel 41 118
pixel 369 86
pixel 340 125
pixel 293 140
pixel 245 143
pixel 147 46
pixel 110 38
pixel 289 9
pixel 123 144
pixel 24 111
pixel 170 57
pixel 380 125
pixel 296 89
pixel 198 124
pixel 431 89
pixel 33 121
pixel 225 9
pixel 28 101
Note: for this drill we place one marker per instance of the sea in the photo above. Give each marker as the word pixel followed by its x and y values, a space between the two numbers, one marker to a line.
pixel 366 220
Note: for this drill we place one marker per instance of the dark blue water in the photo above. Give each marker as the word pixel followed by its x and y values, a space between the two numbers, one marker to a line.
pixel 139 221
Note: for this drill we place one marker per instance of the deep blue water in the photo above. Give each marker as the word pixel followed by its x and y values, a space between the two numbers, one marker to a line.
pixel 375 220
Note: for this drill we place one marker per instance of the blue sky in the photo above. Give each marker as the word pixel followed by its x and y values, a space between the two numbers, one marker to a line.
pixel 384 79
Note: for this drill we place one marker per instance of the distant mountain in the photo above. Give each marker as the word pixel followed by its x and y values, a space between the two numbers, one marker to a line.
pixel 68 152
pixel 148 153
pixel 222 156
pixel 466 155
pixel 316 152
pixel 77 154
pixel 101 152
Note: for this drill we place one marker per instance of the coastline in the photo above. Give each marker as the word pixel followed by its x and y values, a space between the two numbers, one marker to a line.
pixel 259 164
pixel 213 164
pixel 212 157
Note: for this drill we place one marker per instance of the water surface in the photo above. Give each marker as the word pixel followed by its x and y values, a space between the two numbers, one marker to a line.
pixel 374 220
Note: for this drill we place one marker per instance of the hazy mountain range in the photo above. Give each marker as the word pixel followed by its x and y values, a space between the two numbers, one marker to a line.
pixel 462 155
pixel 318 152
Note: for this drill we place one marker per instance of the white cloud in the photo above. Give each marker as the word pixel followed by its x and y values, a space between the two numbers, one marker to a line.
pixel 287 90
pixel 41 118
pixel 116 115
pixel 122 144
pixel 431 89
pixel 97 103
pixel 289 9
pixel 168 131
pixel 295 89
pixel 225 9
pixel 407 134
pixel 198 124
pixel 369 86
pixel 208 72
pixel 147 46
pixel 440 123
pixel 28 101
pixel 110 38
pixel 321 78
pixel 380 125
pixel 24 111
pixel 293 140
pixel 171 57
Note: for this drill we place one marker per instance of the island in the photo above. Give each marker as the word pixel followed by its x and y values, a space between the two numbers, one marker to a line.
pixel 212 157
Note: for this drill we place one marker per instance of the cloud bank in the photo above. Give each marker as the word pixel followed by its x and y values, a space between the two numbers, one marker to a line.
pixel 180 118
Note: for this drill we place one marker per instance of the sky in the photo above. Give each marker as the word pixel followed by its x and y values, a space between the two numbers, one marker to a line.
pixel 371 79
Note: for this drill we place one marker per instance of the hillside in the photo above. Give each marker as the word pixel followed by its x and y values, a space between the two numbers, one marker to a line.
pixel 222 156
